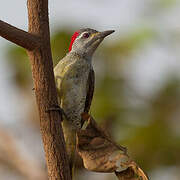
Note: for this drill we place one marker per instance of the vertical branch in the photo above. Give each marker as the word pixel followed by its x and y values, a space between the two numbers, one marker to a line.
pixel 46 97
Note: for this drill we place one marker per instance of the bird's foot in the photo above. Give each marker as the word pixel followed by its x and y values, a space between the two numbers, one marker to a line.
pixel 58 109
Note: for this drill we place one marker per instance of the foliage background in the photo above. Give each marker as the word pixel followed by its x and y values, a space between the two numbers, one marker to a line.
pixel 137 94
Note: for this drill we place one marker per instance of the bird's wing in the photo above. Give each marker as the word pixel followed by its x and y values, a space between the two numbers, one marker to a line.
pixel 90 90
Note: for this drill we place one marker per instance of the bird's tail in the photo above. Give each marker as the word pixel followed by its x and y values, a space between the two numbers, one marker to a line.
pixel 70 139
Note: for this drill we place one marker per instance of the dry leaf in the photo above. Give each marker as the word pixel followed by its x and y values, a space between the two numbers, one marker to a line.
pixel 101 154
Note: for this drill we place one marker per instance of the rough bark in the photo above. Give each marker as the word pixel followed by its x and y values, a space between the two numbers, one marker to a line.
pixel 46 96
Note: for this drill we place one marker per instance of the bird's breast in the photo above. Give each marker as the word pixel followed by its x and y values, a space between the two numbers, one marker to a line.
pixel 71 81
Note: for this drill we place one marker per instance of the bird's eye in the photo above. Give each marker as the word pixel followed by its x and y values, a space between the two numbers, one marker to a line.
pixel 86 35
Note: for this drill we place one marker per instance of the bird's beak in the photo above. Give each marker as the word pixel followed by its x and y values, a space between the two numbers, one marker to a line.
pixel 102 35
pixel 98 37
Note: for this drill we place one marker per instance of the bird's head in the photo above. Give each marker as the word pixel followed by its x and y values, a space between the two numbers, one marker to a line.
pixel 85 41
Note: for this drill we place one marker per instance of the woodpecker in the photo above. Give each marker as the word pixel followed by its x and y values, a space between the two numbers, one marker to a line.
pixel 74 76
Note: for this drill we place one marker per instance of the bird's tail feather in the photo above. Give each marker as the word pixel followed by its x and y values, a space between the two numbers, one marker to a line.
pixel 70 139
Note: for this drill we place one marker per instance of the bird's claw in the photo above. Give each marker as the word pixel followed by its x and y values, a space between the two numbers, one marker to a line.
pixel 57 108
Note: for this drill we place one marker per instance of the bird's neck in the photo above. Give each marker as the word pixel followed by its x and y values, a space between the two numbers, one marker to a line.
pixel 81 55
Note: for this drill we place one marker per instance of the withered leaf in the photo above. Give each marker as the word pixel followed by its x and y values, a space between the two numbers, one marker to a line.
pixel 101 154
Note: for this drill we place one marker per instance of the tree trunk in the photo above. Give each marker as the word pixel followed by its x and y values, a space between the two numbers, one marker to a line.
pixel 44 84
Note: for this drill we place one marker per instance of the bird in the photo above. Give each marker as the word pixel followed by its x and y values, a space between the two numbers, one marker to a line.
pixel 75 78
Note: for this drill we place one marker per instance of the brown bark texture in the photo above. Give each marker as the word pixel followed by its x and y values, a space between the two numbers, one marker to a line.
pixel 18 36
pixel 46 96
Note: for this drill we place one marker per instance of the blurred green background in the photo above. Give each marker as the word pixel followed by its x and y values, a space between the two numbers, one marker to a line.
pixel 137 95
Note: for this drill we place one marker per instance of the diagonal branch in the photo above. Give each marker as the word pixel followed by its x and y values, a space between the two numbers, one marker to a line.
pixel 11 156
pixel 18 36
